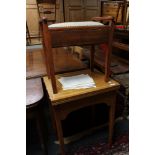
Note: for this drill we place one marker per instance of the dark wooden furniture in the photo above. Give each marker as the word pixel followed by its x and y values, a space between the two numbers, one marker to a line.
pixel 63 60
pixel 28 38
pixel 125 13
pixel 67 101
pixel 47 8
pixel 123 92
pixel 80 10
pixel 120 45
pixel 76 35
pixel 111 7
pixel 34 98
pixel 120 6
pixel 118 64
pixel 121 32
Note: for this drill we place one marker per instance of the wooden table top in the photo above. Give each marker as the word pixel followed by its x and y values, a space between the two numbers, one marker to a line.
pixel 70 95
pixel 63 61
pixel 34 92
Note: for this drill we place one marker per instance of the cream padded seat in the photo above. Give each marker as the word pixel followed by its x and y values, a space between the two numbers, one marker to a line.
pixel 75 24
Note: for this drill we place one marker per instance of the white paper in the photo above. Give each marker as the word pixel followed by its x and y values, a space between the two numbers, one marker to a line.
pixel 77 82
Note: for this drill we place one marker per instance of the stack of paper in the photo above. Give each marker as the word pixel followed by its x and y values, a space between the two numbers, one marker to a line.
pixel 77 82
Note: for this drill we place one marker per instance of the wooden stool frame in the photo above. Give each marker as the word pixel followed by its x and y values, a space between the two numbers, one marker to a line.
pixel 76 36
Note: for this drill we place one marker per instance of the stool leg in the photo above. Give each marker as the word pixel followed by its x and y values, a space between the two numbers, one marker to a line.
pixel 111 123
pixel 59 132
pixel 92 52
pixel 41 135
pixel 28 34
pixel 107 65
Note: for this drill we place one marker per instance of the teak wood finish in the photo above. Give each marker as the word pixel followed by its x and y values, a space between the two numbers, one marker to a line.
pixel 66 101
pixel 71 36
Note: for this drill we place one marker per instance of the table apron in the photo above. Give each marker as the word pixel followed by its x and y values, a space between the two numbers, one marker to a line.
pixel 62 110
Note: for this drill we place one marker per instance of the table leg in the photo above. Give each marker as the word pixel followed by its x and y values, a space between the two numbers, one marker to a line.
pixel 92 51
pixel 93 115
pixel 59 132
pixel 42 138
pixel 111 122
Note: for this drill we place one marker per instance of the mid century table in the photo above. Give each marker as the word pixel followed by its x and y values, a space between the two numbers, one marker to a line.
pixel 34 100
pixel 66 101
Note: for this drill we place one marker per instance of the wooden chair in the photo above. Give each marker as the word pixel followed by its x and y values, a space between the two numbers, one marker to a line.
pixel 28 37
pixel 71 34
pixel 123 7
pixel 47 8
pixel 120 7
pixel 121 29
pixel 34 98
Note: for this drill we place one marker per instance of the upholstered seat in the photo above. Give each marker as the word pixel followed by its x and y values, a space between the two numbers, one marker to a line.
pixel 75 24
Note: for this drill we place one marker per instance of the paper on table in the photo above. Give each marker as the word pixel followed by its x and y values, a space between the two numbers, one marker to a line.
pixel 77 82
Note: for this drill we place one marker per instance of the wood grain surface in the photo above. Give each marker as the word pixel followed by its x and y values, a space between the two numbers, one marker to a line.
pixel 34 92
pixel 70 95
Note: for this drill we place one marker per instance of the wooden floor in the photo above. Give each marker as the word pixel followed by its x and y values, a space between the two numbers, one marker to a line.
pixel 63 60
pixel 34 41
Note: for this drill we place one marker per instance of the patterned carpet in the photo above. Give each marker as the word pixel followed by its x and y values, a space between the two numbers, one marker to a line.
pixel 92 144
pixel 120 147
